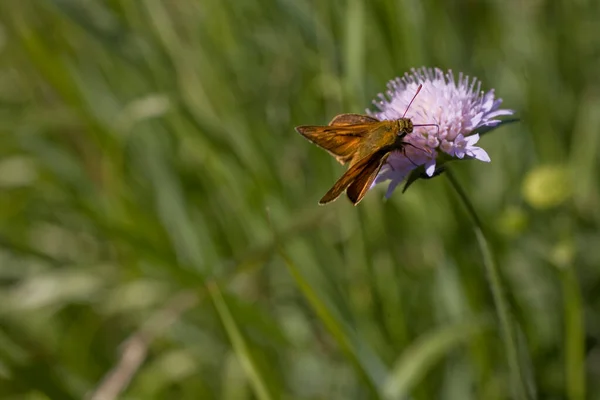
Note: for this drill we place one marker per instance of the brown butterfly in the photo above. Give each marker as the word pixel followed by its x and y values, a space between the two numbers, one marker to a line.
pixel 365 143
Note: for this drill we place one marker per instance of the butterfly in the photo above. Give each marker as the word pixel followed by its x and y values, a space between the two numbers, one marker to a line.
pixel 362 142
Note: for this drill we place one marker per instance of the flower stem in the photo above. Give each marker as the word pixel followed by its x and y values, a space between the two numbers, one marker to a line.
pixel 504 318
pixel 574 335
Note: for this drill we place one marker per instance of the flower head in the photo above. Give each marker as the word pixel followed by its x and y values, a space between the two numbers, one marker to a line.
pixel 452 110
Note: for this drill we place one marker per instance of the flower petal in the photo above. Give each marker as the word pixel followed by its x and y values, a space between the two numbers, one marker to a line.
pixel 476 120
pixel 471 140
pixel 391 187
pixel 498 113
pixel 479 153
pixel 430 167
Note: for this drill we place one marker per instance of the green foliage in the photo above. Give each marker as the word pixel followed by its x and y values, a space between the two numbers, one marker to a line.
pixel 147 152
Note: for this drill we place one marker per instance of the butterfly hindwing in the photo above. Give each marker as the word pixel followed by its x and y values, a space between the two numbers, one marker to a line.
pixel 352 119
pixel 361 170
pixel 362 183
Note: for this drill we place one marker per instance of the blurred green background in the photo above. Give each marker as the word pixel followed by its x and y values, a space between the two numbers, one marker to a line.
pixel 160 236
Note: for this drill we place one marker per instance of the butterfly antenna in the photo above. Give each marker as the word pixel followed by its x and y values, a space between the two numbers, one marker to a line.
pixel 436 125
pixel 413 99
pixel 409 104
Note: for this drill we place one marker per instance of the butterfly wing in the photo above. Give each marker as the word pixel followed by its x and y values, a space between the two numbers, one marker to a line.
pixel 343 137
pixel 352 119
pixel 362 183
pixel 362 171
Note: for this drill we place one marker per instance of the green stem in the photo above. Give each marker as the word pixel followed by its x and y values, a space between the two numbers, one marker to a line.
pixel 574 335
pixel 504 318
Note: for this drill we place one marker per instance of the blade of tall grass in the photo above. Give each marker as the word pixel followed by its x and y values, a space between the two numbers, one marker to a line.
pixel 355 39
pixel 574 335
pixel 99 22
pixel 240 346
pixel 31 366
pixel 366 364
pixel 517 384
pixel 415 361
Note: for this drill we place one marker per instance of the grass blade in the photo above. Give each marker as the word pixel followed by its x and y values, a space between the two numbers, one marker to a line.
pixel 366 364
pixel 505 320
pixel 239 344
pixel 414 363
pixel 574 336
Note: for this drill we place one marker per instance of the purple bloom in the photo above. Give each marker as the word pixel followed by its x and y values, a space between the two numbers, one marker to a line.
pixel 455 108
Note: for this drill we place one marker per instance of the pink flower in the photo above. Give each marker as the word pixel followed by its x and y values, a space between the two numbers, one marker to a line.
pixel 455 108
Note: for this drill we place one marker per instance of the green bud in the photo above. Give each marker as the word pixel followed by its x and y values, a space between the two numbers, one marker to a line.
pixel 562 254
pixel 513 221
pixel 547 187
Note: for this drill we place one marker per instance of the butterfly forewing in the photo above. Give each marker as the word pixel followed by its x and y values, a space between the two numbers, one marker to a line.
pixel 341 141
pixel 364 167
